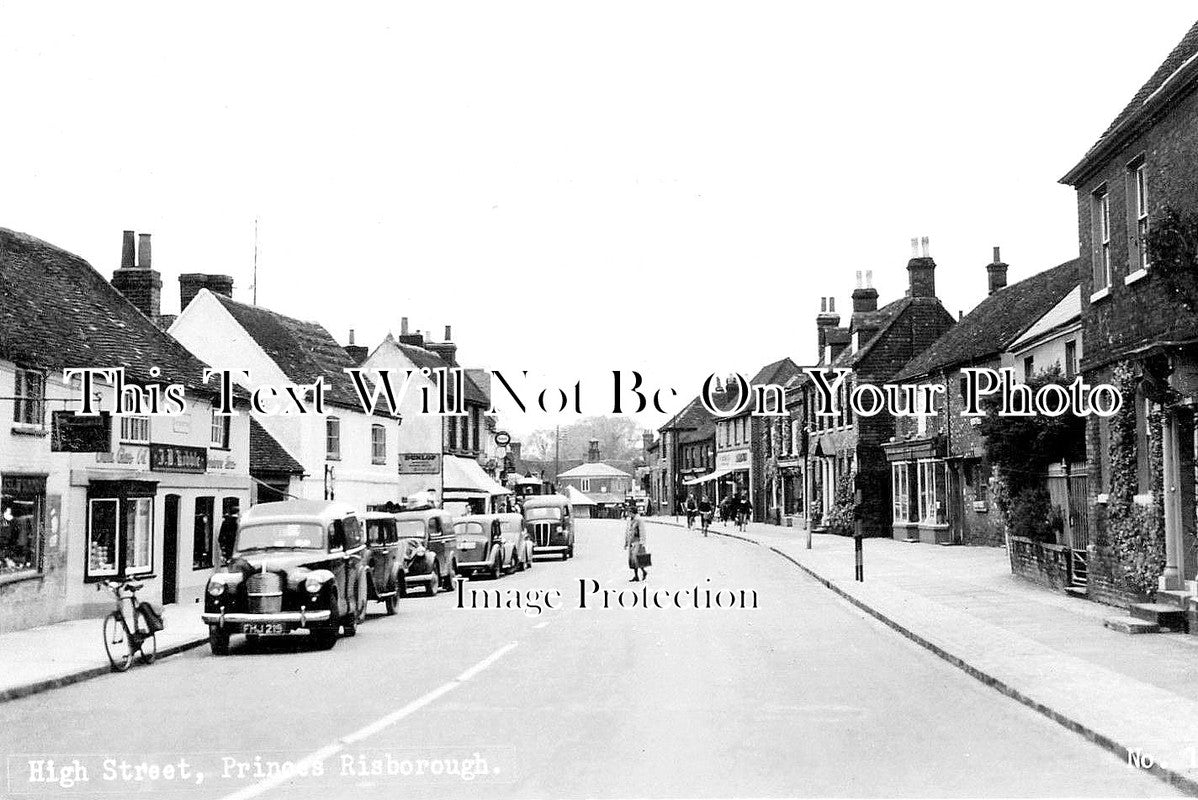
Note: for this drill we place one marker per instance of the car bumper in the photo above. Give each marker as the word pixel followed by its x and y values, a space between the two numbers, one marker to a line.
pixel 549 548
pixel 296 617
pixel 423 577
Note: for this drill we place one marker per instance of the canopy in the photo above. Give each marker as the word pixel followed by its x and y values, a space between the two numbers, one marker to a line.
pixel 711 476
pixel 577 498
pixel 464 478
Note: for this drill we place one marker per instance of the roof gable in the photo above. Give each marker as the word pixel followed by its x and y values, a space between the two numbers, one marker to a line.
pixel 996 322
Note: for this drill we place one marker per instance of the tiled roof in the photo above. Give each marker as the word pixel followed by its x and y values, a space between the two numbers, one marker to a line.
pixel 879 321
pixel 267 455
pixel 776 372
pixel 1066 313
pixel 303 350
pixel 594 469
pixel 996 322
pixel 1182 57
pixel 58 311
pixel 427 359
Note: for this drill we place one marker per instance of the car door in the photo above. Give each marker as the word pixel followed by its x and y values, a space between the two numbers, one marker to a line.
pixel 337 565
pixel 355 559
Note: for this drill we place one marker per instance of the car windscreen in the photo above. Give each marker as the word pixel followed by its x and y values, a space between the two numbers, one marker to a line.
pixel 281 536
pixel 410 528
pixel 468 529
pixel 377 531
pixel 548 512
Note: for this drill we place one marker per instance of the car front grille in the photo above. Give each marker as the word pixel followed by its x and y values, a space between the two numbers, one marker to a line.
pixel 541 534
pixel 265 591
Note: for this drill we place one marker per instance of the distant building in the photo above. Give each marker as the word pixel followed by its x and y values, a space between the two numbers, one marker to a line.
pixel 606 486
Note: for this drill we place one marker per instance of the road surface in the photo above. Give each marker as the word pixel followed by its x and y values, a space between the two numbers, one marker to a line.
pixel 803 695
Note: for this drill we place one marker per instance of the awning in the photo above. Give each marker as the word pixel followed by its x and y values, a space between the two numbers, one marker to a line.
pixel 577 498
pixel 463 478
pixel 711 476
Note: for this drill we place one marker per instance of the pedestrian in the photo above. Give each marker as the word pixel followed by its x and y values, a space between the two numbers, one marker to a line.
pixel 634 542
pixel 227 538
pixel 691 509
pixel 743 509
pixel 705 514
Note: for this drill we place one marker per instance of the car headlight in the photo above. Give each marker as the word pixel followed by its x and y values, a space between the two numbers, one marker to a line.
pixel 223 582
pixel 420 550
pixel 216 589
pixel 317 579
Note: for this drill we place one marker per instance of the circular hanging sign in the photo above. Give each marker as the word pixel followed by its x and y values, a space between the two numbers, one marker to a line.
pixel 503 438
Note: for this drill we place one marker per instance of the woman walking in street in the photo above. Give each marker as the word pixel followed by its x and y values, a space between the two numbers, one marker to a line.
pixel 634 542
pixel 743 509
pixel 705 514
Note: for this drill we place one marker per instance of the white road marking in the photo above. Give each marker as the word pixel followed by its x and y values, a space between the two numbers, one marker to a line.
pixel 328 751
pixel 540 625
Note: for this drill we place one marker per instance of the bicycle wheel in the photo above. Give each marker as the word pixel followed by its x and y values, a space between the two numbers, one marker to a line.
pixel 116 642
pixel 147 651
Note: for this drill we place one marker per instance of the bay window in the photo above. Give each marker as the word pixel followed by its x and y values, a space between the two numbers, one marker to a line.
pixel 932 486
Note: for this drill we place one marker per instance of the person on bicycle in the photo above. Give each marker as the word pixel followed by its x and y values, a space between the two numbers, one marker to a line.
pixel 705 514
pixel 743 509
pixel 691 509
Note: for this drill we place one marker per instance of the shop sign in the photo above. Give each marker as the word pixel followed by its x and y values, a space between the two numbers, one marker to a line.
pixel 135 456
pixel 419 463
pixel 178 458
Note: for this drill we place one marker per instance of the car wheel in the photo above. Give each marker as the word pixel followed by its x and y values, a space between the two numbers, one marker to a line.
pixel 218 640
pixel 389 604
pixel 451 578
pixel 325 637
pixel 497 567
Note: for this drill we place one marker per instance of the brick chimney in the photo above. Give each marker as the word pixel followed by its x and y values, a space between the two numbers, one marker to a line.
pixel 190 284
pixel 922 270
pixel 646 440
pixel 827 320
pixel 355 351
pixel 593 451
pixel 865 296
pixel 139 283
pixel 447 350
pixel 996 272
pixel 409 338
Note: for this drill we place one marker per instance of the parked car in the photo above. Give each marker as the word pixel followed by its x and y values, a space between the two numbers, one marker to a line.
pixel 491 543
pixel 385 560
pixel 296 565
pixel 430 556
pixel 549 524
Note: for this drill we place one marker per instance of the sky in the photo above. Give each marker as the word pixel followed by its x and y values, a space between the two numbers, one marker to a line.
pixel 576 188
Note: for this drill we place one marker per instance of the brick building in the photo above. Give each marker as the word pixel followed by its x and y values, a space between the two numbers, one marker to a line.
pixel 941 489
pixel 877 343
pixel 1142 166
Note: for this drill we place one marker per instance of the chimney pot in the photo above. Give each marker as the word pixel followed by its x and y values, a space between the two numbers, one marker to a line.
pixel 915 247
pixel 996 256
pixel 143 251
pixel 403 326
pixel 127 250
pixel 448 333
pixel 869 279
pixel 996 273
pixel 924 244
pixel 351 336
pixel 831 305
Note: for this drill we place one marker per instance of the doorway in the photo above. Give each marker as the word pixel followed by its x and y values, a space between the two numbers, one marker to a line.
pixel 170 549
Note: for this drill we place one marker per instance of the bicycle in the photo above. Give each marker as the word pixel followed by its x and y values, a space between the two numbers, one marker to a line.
pixel 122 641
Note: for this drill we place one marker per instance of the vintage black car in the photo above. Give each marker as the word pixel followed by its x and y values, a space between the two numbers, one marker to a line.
pixel 491 544
pixel 549 524
pixel 430 555
pixel 296 565
pixel 385 561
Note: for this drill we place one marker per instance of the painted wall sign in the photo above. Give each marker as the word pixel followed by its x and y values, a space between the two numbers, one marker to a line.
pixel 419 463
pixel 178 458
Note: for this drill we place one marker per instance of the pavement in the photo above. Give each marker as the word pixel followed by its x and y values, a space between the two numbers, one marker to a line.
pixel 792 691
pixel 1132 695
pixel 47 657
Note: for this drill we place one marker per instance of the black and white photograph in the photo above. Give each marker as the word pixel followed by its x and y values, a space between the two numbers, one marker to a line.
pixel 546 399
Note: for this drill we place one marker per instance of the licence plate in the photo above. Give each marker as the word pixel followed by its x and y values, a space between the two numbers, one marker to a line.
pixel 264 628
pixel 466 546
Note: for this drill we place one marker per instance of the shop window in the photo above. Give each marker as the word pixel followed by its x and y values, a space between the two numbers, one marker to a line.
pixel 931 493
pixel 378 444
pixel 22 523
pixel 120 529
pixel 332 438
pixel 29 398
pixel 136 430
pixel 201 542
pixel 220 431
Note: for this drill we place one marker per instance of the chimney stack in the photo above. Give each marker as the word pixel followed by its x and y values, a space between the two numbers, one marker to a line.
pixel 356 352
pixel 593 451
pixel 865 298
pixel 922 270
pixel 190 284
pixel 646 440
pixel 141 285
pixel 413 339
pixel 447 350
pixel 996 273
pixel 827 320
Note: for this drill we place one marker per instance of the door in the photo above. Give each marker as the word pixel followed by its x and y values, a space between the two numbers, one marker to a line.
pixel 956 505
pixel 170 549
pixel 1078 521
